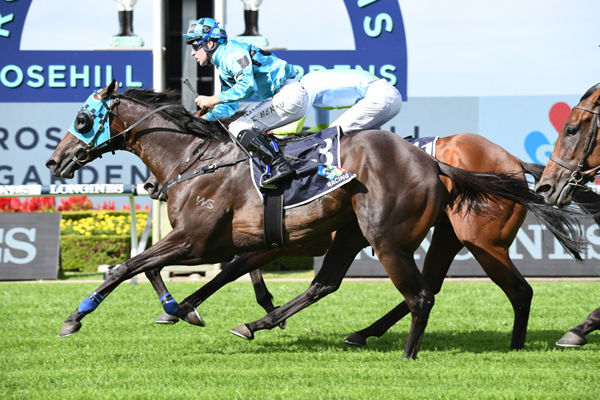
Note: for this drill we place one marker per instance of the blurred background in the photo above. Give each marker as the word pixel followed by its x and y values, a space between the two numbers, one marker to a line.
pixel 509 70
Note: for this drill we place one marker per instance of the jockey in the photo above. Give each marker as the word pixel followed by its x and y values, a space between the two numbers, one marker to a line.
pixel 371 102
pixel 246 71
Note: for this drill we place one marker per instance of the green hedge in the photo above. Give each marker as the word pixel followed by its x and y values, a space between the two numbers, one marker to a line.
pixel 85 254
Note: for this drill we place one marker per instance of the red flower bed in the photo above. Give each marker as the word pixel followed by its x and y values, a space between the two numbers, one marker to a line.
pixel 48 204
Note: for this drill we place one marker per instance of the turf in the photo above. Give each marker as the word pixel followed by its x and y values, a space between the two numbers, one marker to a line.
pixel 120 353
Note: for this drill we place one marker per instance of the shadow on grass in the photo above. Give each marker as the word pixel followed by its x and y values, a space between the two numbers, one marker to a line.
pixel 447 341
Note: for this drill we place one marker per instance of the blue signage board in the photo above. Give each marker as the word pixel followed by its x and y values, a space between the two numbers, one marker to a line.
pixel 60 76
pixel 29 245
pixel 380 44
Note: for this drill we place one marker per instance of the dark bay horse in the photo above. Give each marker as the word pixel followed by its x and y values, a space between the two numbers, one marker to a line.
pixel 391 212
pixel 487 239
pixel 575 161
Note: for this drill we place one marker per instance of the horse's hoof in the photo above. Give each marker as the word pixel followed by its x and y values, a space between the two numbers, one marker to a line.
pixel 194 318
pixel 69 328
pixel 355 339
pixel 166 318
pixel 243 332
pixel 283 324
pixel 572 339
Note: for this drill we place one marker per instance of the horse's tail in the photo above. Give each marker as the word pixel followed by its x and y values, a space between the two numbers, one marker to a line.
pixel 475 191
pixel 534 170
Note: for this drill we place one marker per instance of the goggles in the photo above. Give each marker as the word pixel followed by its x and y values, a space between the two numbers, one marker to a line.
pixel 198 45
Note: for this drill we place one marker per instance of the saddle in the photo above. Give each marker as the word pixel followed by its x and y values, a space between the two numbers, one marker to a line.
pixel 316 160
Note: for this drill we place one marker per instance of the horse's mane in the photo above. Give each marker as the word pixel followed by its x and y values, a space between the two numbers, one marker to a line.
pixel 590 91
pixel 182 117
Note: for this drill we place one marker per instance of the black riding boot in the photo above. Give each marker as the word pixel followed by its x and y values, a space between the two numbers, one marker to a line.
pixel 125 23
pixel 129 23
pixel 121 24
pixel 258 144
pixel 251 22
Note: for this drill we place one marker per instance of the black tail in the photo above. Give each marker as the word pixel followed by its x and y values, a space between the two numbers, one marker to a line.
pixel 475 190
pixel 588 200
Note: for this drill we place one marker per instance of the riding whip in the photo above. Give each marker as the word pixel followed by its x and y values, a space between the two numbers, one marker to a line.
pixel 231 135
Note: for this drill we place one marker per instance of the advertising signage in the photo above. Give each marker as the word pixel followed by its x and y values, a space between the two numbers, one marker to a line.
pixel 379 39
pixel 29 245
pixel 61 76
pixel 41 92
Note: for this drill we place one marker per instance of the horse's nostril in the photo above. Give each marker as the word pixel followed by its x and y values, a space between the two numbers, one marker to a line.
pixel 542 189
pixel 50 163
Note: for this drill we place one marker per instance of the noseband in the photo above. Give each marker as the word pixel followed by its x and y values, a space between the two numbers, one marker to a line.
pixel 578 176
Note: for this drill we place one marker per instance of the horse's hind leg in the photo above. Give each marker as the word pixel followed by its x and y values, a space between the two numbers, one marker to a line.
pixel 496 262
pixel 346 244
pixel 576 337
pixel 402 270
pixel 442 250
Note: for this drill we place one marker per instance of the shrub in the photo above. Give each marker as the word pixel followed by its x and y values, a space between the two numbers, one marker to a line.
pixel 85 254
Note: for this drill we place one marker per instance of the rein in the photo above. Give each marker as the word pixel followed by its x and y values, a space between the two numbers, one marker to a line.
pixel 207 169
pixel 577 175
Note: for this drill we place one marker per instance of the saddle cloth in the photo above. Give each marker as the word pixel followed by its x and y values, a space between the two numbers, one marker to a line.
pixel 316 159
pixel 427 144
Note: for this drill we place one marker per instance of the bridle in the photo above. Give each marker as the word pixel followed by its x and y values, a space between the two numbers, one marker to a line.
pixel 579 177
pixel 109 145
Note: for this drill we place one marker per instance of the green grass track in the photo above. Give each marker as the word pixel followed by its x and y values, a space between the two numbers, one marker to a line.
pixel 121 354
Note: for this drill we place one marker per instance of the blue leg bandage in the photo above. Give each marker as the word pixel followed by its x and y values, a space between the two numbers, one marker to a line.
pixel 169 304
pixel 90 303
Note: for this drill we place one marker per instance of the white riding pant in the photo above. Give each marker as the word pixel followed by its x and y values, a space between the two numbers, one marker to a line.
pixel 381 103
pixel 289 104
pixel 125 5
pixel 251 5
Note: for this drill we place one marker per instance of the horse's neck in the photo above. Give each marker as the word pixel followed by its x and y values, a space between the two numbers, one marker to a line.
pixel 165 151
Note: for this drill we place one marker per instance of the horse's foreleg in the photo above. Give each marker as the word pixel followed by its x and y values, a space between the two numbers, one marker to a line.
pixel 170 249
pixel 347 243
pixel 576 337
pixel 263 296
pixel 169 304
pixel 443 248
pixel 230 272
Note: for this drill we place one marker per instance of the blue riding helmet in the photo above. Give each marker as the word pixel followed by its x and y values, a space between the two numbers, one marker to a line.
pixel 203 30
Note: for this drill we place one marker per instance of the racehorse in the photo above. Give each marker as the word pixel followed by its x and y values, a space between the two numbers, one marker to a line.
pixel 575 161
pixel 366 211
pixel 488 240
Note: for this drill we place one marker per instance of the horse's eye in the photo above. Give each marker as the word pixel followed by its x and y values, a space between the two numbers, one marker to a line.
pixel 571 130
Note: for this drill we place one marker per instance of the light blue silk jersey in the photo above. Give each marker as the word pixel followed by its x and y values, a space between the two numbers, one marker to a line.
pixel 246 71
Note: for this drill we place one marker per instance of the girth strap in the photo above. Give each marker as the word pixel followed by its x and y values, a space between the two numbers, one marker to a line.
pixel 273 220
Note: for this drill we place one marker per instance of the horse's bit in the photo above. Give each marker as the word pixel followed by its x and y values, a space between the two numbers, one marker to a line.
pixel 578 176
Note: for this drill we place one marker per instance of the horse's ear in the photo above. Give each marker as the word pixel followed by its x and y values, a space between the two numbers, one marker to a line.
pixel 107 91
